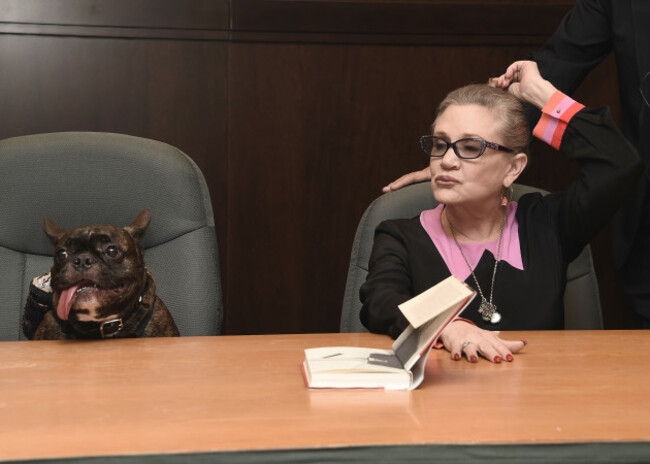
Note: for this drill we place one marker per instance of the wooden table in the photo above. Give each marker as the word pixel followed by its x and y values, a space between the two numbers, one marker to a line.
pixel 63 399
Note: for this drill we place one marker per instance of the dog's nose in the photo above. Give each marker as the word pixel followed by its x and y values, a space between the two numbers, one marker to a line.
pixel 83 261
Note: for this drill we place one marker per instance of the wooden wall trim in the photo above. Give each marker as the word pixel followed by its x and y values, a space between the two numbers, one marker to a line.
pixel 157 14
pixel 439 22
pixel 383 39
pixel 112 32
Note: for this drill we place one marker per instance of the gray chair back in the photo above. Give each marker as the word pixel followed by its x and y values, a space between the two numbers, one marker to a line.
pixel 582 309
pixel 79 178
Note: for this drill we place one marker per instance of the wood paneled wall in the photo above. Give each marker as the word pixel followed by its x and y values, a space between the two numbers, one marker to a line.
pixel 297 111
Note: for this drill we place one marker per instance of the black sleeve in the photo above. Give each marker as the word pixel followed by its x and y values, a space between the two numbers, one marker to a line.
pixel 388 284
pixel 581 42
pixel 610 167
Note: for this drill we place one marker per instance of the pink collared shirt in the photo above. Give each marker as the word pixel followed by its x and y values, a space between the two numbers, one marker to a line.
pixel 510 249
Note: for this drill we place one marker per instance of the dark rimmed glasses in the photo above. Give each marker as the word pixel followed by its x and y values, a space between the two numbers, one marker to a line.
pixel 469 148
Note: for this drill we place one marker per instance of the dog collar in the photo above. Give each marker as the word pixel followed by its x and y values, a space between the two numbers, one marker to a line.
pixel 109 329
pixel 114 328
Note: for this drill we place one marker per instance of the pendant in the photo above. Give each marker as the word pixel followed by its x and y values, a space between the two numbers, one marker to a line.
pixel 488 312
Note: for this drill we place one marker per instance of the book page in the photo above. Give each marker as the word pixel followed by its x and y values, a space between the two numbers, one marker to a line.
pixel 414 342
pixel 418 369
pixel 351 359
pixel 439 298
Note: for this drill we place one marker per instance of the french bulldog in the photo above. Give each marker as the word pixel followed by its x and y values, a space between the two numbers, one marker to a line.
pixel 100 285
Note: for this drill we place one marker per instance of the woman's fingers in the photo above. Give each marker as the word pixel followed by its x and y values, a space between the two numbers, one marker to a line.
pixel 471 351
pixel 505 79
pixel 455 349
pixel 497 350
pixel 514 75
pixel 500 82
pixel 518 69
pixel 464 339
pixel 407 179
pixel 515 346
pixel 480 347
pixel 501 350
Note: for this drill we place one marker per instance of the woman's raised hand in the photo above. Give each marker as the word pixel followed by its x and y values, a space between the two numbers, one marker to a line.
pixel 523 80
pixel 464 338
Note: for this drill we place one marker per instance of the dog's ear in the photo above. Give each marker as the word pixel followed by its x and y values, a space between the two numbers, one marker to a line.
pixel 139 226
pixel 53 230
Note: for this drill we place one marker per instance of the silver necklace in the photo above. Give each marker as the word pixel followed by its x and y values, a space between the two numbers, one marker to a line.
pixel 487 309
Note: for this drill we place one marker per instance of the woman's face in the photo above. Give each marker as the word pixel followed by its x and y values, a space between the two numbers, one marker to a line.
pixel 468 182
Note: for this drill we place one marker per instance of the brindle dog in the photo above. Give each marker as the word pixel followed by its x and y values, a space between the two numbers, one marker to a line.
pixel 101 287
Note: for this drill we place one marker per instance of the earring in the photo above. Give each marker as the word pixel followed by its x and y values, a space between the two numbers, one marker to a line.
pixel 506 199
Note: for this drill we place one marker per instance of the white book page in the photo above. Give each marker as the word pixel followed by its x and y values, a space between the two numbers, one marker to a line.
pixel 439 305
pixel 349 359
pixel 439 298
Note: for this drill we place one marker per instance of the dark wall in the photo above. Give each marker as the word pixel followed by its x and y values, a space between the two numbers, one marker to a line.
pixel 296 111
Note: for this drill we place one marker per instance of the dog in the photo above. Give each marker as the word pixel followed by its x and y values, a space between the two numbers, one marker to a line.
pixel 100 286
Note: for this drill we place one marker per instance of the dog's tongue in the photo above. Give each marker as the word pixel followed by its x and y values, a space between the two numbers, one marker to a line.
pixel 65 301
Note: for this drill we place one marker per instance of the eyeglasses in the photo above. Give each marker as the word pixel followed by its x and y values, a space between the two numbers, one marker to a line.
pixel 469 148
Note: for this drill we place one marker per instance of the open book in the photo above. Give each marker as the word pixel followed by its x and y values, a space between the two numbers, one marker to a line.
pixel 401 368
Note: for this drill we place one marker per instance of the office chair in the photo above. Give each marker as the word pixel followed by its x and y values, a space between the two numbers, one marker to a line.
pixel 79 178
pixel 582 309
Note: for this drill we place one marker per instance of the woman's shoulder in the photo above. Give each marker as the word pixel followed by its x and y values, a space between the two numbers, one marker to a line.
pixel 402 229
pixel 539 213
pixel 529 199
pixel 399 224
pixel 533 200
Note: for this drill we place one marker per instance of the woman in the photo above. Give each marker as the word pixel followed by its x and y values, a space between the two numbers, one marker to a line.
pixel 515 254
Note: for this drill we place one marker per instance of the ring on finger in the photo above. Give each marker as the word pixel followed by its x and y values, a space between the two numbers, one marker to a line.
pixel 464 345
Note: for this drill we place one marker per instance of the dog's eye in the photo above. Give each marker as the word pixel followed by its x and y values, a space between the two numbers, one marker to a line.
pixel 61 255
pixel 111 251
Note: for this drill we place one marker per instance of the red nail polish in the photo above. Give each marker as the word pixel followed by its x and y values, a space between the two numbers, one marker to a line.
pixel 473 358
pixel 456 357
pixel 525 342
pixel 510 358
pixel 497 359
